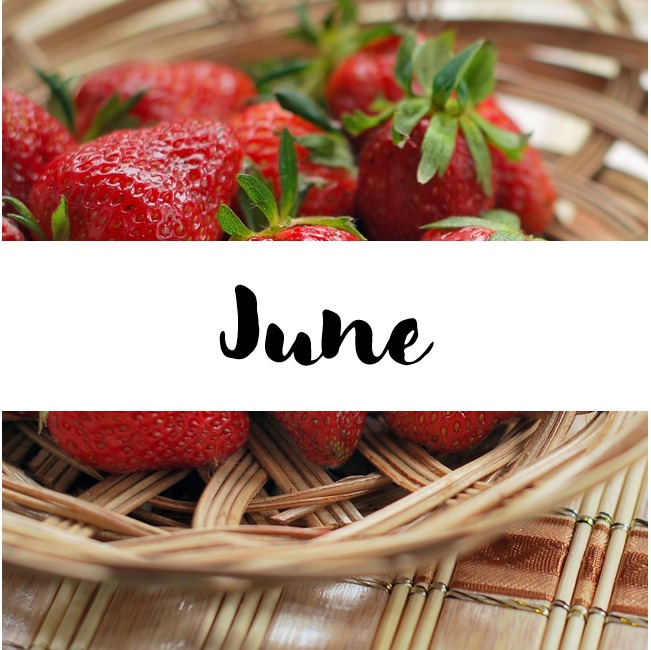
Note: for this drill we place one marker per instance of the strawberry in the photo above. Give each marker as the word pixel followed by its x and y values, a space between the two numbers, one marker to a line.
pixel 134 441
pixel 523 186
pixel 494 225
pixel 432 160
pixel 327 438
pixel 280 216
pixel 10 231
pixel 363 77
pixel 199 89
pixel 445 431
pixel 31 138
pixel 165 182
pixel 258 129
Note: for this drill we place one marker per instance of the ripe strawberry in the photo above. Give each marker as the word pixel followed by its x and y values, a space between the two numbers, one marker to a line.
pixel 282 224
pixel 494 225
pixel 31 138
pixel 392 205
pixel 523 186
pixel 310 233
pixel 327 438
pixel 10 231
pixel 363 77
pixel 133 441
pixel 199 89
pixel 258 129
pixel 432 161
pixel 445 431
pixel 163 183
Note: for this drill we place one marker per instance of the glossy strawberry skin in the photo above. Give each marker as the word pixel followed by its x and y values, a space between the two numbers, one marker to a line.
pixel 199 89
pixel 132 441
pixel 258 128
pixel 327 438
pixel 364 76
pixel 445 431
pixel 523 186
pixel 162 183
pixel 10 231
pixel 470 233
pixel 31 138
pixel 310 233
pixel 393 205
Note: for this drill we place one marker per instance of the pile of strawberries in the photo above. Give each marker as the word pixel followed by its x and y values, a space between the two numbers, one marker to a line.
pixel 383 126
pixel 129 441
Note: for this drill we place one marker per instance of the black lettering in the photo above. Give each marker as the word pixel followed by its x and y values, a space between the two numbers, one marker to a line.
pixel 404 335
pixel 332 337
pixel 301 349
pixel 248 326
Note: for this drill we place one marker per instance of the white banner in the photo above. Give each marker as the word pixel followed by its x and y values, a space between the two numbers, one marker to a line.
pixel 529 326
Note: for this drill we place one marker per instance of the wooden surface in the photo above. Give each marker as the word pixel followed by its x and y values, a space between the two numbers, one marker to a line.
pixel 377 612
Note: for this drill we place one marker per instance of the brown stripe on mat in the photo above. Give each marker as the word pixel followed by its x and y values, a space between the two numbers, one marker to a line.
pixel 536 550
pixel 593 561
pixel 630 594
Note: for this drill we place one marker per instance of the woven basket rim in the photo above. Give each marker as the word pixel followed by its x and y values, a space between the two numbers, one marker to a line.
pixel 431 521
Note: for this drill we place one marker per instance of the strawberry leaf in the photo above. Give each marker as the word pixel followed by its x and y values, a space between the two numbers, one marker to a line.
pixel 512 144
pixel 376 33
pixel 348 11
pixel 404 66
pixel 507 219
pixel 24 216
pixel 114 115
pixel 448 78
pixel 307 31
pixel 288 164
pixel 479 152
pixel 231 223
pixel 329 149
pixel 304 107
pixel 480 73
pixel 504 235
pixel 406 117
pixel 60 102
pixel 431 56
pixel 358 122
pixel 438 146
pixel 60 222
pixel 260 195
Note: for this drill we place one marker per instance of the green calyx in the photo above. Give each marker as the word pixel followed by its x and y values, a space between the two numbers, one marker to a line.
pixel 23 215
pixel 330 148
pixel 505 224
pixel 337 36
pixel 113 115
pixel 450 87
pixel 279 215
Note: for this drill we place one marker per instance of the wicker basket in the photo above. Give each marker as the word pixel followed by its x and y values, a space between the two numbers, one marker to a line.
pixel 584 81
pixel 267 515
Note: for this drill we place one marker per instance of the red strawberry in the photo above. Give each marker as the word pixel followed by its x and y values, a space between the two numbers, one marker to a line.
pixel 133 441
pixel 31 138
pixel 494 225
pixel 199 89
pixel 327 438
pixel 282 225
pixel 10 231
pixel 258 129
pixel 166 182
pixel 393 205
pixel 363 77
pixel 445 431
pixel 523 186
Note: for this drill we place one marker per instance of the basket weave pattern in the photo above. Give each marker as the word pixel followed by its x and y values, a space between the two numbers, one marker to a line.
pixel 266 514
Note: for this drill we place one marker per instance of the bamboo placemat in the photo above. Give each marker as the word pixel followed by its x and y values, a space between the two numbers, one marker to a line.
pixel 575 579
